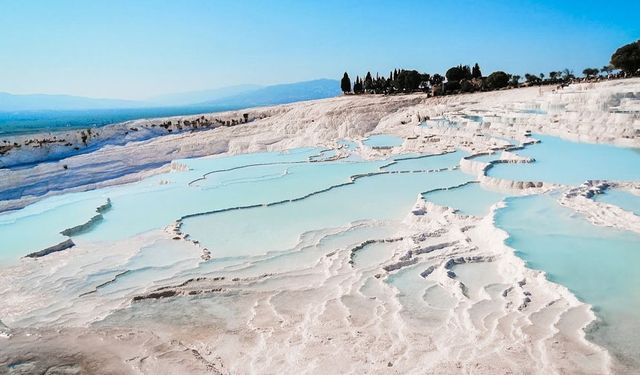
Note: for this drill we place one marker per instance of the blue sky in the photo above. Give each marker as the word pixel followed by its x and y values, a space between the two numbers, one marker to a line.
pixel 136 49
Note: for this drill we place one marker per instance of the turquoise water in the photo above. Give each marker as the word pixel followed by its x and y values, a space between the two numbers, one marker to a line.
pixel 471 199
pixel 486 158
pixel 38 226
pixel 426 163
pixel 25 122
pixel 623 199
pixel 275 228
pixel 213 184
pixel 510 141
pixel 312 246
pixel 150 204
pixel 32 121
pixel 535 111
pixel 383 141
pixel 138 210
pixel 474 118
pixel 348 144
pixel 598 264
pixel 566 162
pixel 440 123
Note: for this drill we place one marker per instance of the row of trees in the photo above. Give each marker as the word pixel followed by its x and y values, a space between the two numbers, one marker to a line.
pixel 398 81
pixel 463 78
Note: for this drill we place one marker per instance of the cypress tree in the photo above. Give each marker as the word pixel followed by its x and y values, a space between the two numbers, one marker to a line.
pixel 475 72
pixel 345 84
pixel 357 86
pixel 467 71
pixel 368 82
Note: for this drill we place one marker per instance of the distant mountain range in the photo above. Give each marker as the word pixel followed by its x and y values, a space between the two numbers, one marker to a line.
pixel 193 97
pixel 233 96
pixel 34 102
pixel 280 94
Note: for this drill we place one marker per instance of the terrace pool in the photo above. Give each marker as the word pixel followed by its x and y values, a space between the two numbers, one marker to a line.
pixel 566 162
pixel 598 264
pixel 383 141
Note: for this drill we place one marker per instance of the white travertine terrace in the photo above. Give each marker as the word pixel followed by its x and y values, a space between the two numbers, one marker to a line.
pixel 573 113
pixel 480 310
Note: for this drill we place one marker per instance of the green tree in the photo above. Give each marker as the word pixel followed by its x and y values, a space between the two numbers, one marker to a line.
pixel 457 73
pixel 627 58
pixel 467 71
pixel 467 86
pixel 607 69
pixel 567 75
pixel 345 84
pixel 532 78
pixel 377 84
pixel 409 80
pixel 452 86
pixel 357 86
pixel 590 72
pixel 436 79
pixel 475 72
pixel 497 80
pixel 368 82
pixel 515 80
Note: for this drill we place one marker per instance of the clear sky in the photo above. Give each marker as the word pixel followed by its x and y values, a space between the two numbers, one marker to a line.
pixel 138 48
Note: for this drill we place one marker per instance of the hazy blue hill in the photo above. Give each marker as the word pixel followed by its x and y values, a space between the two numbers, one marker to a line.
pixel 25 122
pixel 36 102
pixel 36 113
pixel 280 94
pixel 192 97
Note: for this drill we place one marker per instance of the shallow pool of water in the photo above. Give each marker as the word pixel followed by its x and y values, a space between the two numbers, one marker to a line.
pixel 470 199
pixel 270 212
pixel 213 184
pixel 623 199
pixel 440 123
pixel 157 201
pixel 274 228
pixel 534 111
pixel 383 141
pixel 598 264
pixel 38 226
pixel 572 163
pixel 474 118
pixel 486 158
pixel 426 163
pixel 348 144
